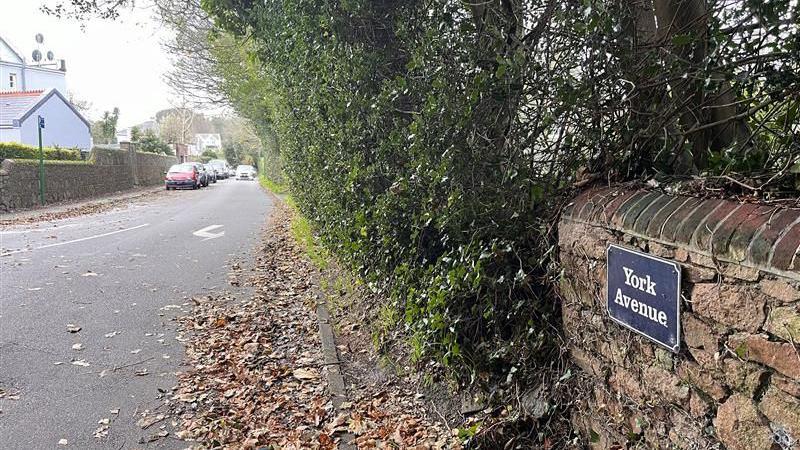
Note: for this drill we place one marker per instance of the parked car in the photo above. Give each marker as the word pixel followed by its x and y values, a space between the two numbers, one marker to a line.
pixel 232 172
pixel 222 168
pixel 245 172
pixel 182 176
pixel 212 172
pixel 202 173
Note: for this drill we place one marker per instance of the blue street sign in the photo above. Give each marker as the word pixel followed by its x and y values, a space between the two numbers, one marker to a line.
pixel 644 294
pixel 41 122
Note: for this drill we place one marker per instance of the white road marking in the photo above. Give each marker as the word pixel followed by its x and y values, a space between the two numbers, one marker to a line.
pixel 40 230
pixel 207 234
pixel 24 250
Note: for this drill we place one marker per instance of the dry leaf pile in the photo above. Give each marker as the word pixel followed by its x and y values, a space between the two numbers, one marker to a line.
pixel 257 376
pixel 90 207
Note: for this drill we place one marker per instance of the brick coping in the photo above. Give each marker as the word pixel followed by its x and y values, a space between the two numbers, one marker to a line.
pixel 761 237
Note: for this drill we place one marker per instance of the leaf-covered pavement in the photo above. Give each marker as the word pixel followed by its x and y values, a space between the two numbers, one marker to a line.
pixel 256 376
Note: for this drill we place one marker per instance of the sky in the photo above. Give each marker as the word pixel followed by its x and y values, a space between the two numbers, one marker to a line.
pixel 109 63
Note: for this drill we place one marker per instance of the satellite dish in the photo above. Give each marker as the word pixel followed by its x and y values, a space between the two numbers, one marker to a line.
pixel 37 55
pixel 39 38
pixel 50 55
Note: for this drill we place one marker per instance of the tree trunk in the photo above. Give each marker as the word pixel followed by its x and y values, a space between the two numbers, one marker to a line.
pixel 676 18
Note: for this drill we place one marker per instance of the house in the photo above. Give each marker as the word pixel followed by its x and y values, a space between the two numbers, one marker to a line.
pixel 64 125
pixel 204 141
pixel 125 134
pixel 19 74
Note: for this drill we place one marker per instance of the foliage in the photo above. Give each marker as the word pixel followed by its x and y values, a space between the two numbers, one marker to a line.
pixel 433 144
pixel 136 134
pixel 273 186
pixel 53 162
pixel 208 155
pixel 13 150
pixel 150 142
pixel 104 131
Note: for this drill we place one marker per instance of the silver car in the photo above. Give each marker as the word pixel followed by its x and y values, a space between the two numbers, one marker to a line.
pixel 222 168
pixel 245 172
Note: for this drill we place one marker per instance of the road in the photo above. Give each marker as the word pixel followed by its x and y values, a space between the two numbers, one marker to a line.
pixel 121 276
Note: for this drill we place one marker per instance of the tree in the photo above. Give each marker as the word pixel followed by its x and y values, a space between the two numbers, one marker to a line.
pixel 149 142
pixel 104 131
pixel 136 134
pixel 231 153
pixel 176 126
pixel 83 106
pixel 208 155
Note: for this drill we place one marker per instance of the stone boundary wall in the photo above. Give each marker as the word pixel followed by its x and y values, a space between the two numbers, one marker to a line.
pixel 106 172
pixel 736 381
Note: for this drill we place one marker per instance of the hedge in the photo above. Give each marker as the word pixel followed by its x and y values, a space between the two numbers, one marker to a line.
pixel 52 162
pixel 15 150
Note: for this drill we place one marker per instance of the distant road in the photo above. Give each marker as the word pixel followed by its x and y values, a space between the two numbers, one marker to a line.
pixel 120 276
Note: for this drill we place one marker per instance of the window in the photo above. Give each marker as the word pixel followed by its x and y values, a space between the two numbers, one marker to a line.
pixel 12 80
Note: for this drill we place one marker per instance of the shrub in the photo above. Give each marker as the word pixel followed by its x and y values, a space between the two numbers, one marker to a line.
pixel 9 150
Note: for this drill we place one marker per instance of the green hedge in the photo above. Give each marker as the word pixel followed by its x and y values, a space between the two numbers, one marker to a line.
pixel 50 162
pixel 14 150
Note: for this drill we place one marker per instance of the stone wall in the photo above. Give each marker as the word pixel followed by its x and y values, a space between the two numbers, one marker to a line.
pixel 735 382
pixel 107 171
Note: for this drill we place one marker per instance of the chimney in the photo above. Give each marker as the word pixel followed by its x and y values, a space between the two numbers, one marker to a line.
pixel 63 65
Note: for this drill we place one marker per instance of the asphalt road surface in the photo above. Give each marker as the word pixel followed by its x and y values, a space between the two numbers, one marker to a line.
pixel 121 276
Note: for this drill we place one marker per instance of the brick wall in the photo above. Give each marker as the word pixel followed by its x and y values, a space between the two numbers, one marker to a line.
pixel 150 167
pixel 736 379
pixel 108 171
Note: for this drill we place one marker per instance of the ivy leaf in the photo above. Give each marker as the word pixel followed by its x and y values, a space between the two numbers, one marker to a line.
pixel 679 40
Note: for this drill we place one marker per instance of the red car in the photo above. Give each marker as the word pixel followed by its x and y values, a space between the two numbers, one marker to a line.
pixel 181 176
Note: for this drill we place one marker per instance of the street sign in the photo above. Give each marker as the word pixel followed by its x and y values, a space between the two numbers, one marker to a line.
pixel 643 294
pixel 42 182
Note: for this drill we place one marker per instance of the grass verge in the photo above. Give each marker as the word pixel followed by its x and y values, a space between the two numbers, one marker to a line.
pixel 275 188
pixel 301 228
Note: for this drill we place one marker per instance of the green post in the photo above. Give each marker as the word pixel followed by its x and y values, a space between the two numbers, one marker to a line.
pixel 41 161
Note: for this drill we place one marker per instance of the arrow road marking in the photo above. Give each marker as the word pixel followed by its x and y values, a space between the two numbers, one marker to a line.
pixel 207 234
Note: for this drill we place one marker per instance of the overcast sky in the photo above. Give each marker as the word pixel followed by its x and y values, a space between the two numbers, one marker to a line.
pixel 110 64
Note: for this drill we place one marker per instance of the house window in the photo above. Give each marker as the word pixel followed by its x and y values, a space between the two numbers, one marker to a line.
pixel 12 80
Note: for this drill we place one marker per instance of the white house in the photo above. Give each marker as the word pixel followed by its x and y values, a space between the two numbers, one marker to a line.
pixel 19 74
pixel 206 140
pixel 125 134
pixel 64 125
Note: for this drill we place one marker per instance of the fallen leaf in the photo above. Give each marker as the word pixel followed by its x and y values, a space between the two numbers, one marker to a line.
pixel 305 374
pixel 186 398
pixel 146 422
pixel 72 328
pixel 153 437
pixel 77 346
pixel 89 274
pixel 101 432
pixel 80 362
pixel 62 442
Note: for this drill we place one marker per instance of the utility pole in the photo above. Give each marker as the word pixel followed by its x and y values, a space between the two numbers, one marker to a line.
pixel 41 162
